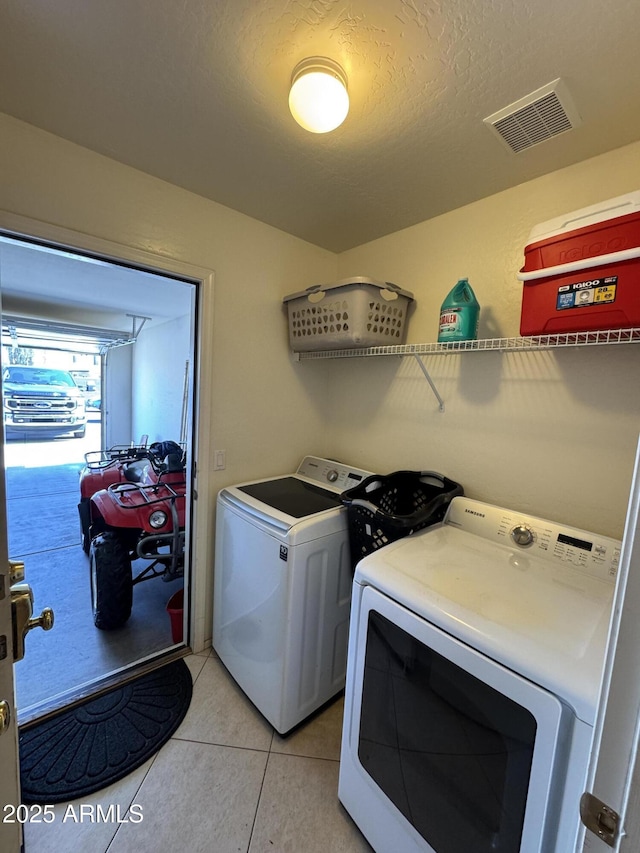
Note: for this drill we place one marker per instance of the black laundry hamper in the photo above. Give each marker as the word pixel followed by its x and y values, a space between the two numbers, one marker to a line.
pixel 383 508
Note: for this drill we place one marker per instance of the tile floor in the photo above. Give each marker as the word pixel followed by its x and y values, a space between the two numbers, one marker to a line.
pixel 224 783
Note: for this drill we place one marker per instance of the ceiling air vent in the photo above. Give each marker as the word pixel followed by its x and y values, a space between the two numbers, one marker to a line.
pixel 547 112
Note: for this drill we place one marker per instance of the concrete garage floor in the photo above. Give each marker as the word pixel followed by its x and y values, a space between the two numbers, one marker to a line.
pixel 44 532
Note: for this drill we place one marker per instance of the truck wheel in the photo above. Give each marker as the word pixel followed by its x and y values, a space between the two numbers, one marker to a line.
pixel 80 433
pixel 111 581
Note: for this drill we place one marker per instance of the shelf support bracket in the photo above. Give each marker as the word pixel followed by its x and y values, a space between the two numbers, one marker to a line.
pixel 430 381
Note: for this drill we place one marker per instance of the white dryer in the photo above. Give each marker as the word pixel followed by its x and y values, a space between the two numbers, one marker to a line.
pixel 475 660
pixel 282 588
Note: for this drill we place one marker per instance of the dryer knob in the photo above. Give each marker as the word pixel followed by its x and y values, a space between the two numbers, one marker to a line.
pixel 523 535
pixel 332 475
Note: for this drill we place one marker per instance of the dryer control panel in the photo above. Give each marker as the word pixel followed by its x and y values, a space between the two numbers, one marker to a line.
pixel 594 554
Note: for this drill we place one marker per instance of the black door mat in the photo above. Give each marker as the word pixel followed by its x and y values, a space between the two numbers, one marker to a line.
pixel 90 746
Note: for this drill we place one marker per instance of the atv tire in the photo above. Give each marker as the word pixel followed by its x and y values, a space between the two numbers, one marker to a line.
pixel 85 524
pixel 111 581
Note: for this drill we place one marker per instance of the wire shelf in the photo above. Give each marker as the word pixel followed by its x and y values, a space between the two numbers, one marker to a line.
pixel 537 342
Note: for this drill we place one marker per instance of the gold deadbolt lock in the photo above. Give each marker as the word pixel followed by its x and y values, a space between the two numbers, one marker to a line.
pixel 16 571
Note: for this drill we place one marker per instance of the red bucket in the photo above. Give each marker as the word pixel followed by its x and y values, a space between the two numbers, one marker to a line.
pixel 175 609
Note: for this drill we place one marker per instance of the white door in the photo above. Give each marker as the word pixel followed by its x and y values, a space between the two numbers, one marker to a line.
pixel 614 772
pixel 9 788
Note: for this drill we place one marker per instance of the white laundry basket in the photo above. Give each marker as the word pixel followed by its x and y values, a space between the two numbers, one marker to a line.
pixel 355 312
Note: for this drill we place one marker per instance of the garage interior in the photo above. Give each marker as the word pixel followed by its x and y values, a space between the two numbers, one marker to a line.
pixel 138 328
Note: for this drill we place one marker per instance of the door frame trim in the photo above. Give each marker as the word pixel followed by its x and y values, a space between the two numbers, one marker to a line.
pixel 201 545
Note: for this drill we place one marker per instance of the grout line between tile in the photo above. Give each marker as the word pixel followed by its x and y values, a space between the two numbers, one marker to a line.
pixel 225 745
pixel 132 800
pixel 255 816
pixel 306 757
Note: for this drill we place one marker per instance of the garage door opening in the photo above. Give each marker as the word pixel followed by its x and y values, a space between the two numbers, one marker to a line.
pixel 114 392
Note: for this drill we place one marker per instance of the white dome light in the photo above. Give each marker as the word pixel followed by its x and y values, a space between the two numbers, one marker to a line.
pixel 318 99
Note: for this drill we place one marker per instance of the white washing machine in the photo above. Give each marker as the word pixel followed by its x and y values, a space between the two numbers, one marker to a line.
pixel 475 659
pixel 282 588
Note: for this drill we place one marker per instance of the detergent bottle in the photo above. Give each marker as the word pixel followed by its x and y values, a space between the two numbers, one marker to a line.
pixel 459 314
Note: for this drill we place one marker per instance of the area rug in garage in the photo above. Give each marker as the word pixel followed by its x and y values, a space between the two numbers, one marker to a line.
pixel 87 747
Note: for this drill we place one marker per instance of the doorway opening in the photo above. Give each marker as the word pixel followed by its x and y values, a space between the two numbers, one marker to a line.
pixel 126 337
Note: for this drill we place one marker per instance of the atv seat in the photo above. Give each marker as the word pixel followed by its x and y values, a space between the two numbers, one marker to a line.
pixel 168 456
pixel 175 462
pixel 134 471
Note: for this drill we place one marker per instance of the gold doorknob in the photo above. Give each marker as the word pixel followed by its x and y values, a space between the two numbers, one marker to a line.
pixel 44 620
pixel 23 621
pixel 5 716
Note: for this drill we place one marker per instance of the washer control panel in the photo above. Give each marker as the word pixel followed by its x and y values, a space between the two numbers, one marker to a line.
pixel 523 535
pixel 331 474
pixel 594 554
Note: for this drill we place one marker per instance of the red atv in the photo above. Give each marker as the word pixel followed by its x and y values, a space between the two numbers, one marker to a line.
pixel 132 506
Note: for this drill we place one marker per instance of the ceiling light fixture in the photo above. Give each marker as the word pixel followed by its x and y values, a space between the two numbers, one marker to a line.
pixel 318 99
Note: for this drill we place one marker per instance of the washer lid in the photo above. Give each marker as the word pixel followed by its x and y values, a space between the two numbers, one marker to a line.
pixel 282 524
pixel 546 620
pixel 307 501
pixel 292 496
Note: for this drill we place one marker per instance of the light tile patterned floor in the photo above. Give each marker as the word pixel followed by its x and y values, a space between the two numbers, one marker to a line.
pixel 224 783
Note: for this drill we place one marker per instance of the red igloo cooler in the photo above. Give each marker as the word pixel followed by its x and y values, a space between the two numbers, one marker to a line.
pixel 582 270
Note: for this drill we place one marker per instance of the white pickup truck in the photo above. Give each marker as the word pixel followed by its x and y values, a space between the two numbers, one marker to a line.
pixel 41 402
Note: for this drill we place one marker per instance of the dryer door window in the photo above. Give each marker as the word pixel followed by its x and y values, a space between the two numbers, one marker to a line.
pixel 452 753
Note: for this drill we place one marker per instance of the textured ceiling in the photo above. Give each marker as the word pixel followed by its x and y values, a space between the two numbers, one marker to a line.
pixel 195 92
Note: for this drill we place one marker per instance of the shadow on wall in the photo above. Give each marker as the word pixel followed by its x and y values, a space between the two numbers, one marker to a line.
pixel 602 377
pixel 488 326
pixel 481 376
pixel 372 381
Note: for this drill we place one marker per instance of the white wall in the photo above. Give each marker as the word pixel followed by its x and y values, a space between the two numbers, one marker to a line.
pixel 266 416
pixel 160 355
pixel 116 397
pixel 264 412
pixel 553 433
